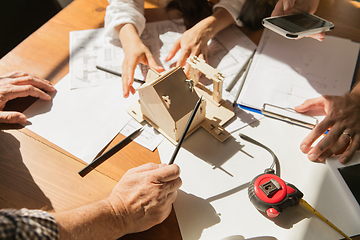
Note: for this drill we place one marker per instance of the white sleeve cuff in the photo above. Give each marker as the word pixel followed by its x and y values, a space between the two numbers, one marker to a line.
pixel 121 12
pixel 233 7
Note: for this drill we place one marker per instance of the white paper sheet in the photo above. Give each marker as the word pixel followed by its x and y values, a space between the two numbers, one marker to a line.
pixel 89 48
pixel 80 121
pixel 285 72
pixel 149 137
pixel 213 201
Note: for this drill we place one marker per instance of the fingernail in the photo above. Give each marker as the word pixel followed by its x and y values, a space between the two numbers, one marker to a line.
pixel 343 160
pixel 286 6
pixel 22 118
pixel 47 97
pixel 312 157
pixel 303 148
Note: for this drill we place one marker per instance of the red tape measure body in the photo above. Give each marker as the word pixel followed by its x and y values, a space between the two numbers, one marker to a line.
pixel 270 194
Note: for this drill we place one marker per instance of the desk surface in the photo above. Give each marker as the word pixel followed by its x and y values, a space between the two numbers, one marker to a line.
pixel 35 173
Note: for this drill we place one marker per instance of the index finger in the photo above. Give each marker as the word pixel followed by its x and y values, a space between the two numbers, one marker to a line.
pixel 34 81
pixel 318 130
pixel 128 74
pixel 175 48
pixel 166 173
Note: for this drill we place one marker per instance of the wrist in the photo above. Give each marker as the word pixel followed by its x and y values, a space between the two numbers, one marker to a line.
pixel 208 28
pixel 355 98
pixel 354 95
pixel 220 19
pixel 118 215
pixel 128 35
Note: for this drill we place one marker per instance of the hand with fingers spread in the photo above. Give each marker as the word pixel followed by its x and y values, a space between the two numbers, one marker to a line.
pixel 195 40
pixel 135 52
pixel 342 120
pixel 286 7
pixel 20 84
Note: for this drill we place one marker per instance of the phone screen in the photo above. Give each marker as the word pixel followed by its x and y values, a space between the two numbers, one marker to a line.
pixel 299 22
pixel 351 176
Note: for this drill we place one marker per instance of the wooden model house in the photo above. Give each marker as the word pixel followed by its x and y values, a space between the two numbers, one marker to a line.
pixel 166 101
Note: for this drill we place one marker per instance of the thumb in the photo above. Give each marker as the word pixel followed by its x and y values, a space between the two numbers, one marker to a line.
pixel 310 104
pixel 12 117
pixel 152 63
pixel 288 4
pixel 174 49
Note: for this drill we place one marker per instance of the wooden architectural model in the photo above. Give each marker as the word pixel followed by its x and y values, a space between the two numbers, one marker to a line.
pixel 167 99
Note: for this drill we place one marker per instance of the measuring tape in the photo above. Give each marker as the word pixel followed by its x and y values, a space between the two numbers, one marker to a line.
pixel 270 194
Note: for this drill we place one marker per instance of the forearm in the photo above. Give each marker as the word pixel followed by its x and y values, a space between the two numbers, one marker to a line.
pixel 94 221
pixel 128 35
pixel 213 24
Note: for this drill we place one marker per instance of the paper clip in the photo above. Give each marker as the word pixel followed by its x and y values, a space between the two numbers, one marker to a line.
pixel 289 115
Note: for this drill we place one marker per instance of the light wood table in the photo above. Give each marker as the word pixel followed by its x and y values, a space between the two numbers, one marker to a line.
pixel 34 173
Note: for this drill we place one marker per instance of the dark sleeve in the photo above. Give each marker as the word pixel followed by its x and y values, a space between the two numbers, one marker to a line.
pixel 27 224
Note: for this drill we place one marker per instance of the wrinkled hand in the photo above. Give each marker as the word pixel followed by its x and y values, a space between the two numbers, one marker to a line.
pixel 342 118
pixel 135 52
pixel 20 84
pixel 144 195
pixel 286 7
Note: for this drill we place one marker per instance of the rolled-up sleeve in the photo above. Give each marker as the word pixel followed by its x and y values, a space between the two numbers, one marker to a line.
pixel 119 12
pixel 27 224
pixel 233 7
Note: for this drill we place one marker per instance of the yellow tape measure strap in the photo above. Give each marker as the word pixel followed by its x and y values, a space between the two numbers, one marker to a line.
pixel 307 206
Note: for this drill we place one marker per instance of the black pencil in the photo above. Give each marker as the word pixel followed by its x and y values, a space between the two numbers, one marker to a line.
pixel 185 131
pixel 117 73
pixel 107 154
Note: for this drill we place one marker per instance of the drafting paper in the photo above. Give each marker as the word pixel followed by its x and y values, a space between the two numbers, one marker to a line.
pixel 86 118
pixel 228 51
pixel 285 72
pixel 80 121
pixel 89 48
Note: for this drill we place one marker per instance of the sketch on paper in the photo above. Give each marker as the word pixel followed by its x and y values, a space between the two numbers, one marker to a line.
pixel 286 72
pixel 88 48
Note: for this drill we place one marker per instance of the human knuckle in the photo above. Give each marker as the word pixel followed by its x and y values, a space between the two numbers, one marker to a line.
pixel 28 88
pixel 321 148
pixel 7 117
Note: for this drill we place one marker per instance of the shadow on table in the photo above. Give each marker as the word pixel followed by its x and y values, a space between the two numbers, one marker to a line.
pixel 203 215
pixel 17 188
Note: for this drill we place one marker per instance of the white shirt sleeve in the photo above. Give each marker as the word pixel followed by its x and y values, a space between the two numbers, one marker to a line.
pixel 124 11
pixel 233 7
